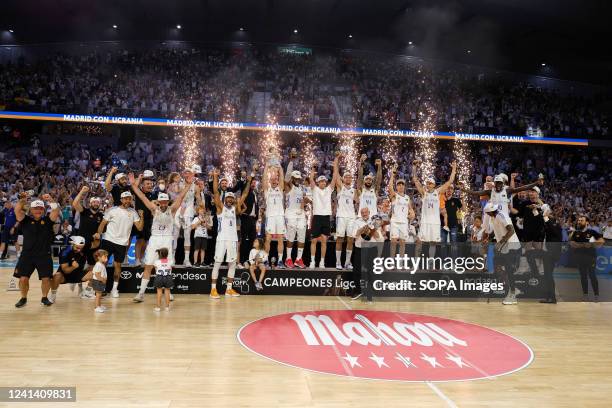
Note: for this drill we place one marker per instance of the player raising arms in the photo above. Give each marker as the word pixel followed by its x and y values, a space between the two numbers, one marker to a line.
pixel 273 187
pixel 368 188
pixel 401 213
pixel 162 227
pixel 226 247
pixel 429 225
pixel 295 214
pixel 346 195
pixel 321 211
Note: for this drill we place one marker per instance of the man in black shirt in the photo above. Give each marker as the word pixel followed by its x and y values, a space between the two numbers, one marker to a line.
pixel 553 237
pixel 90 219
pixel 452 206
pixel 121 185
pixel 72 262
pixel 36 254
pixel 583 241
pixel 142 237
pixel 532 212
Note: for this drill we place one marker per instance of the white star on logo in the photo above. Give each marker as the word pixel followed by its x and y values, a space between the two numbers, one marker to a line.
pixel 457 360
pixel 430 360
pixel 352 360
pixel 405 360
pixel 378 360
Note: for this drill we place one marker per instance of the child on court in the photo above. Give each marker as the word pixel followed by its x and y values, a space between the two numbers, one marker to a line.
pixel 201 224
pixel 163 278
pixel 98 281
pixel 257 256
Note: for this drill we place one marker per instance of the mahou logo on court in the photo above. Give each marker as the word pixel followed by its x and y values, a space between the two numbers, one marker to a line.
pixel 385 345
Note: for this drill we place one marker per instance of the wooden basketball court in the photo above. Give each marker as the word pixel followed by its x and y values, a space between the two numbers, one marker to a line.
pixel 190 356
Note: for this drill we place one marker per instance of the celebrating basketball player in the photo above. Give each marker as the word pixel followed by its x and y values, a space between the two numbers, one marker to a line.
pixel 367 188
pixel 401 213
pixel 273 187
pixel 295 215
pixel 226 247
pixel 162 228
pixel 346 195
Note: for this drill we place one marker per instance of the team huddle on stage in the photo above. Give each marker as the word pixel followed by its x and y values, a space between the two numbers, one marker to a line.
pixel 293 204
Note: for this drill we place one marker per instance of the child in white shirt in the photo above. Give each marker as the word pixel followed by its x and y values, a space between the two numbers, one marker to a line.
pixel 163 278
pixel 98 281
pixel 257 256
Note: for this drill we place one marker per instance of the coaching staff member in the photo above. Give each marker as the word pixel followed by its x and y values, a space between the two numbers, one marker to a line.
pixel 583 241
pixel 36 253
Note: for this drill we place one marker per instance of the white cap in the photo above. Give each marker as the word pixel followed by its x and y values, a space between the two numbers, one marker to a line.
pixel 321 178
pixel 223 178
pixel 370 176
pixel 148 174
pixel 37 204
pixel 490 207
pixel 296 174
pixel 92 199
pixel 504 176
pixel 126 194
pixel 196 169
pixel 119 176
pixel 536 189
pixel 498 179
pixel 401 181
pixel 77 240
pixel 230 194
pixel 163 197
pixel 347 173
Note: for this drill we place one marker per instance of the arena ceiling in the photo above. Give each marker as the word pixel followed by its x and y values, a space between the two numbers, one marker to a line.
pixel 566 35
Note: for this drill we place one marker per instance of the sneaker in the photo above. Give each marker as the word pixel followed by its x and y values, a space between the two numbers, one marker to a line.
pixel 339 266
pixel 72 286
pixel 357 296
pixel 289 263
pixel 139 298
pixel 322 265
pixel 239 266
pixel 510 299
pixel 232 293
pixel 187 264
pixel 99 309
pixel 167 309
pixel 348 266
pixel 445 228
pixel 280 265
pixel 258 286
pixel 156 309
pixel 596 299
pixel 585 298
pixel 312 265
pixel 22 302
pixel 299 263
pixel 548 300
pixel 197 265
pixel 13 284
pixel 52 297
pixel 137 263
pixel 87 293
pixel 45 302
pixel 115 293
pixel 214 294
pixel 171 297
pixel 103 307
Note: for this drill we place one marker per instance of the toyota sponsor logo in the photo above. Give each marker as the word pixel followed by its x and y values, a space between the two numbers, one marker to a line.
pixel 126 275
pixel 385 345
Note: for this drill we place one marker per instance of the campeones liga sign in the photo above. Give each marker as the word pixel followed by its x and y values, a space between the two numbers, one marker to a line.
pixel 385 345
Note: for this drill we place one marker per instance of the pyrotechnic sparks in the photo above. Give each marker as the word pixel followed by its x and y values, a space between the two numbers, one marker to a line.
pixel 390 146
pixel 307 152
pixel 269 144
pixel 229 145
pixel 426 148
pixel 189 137
pixel 349 147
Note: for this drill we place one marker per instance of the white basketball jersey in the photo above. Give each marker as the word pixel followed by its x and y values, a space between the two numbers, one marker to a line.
pixel 346 206
pixel 227 225
pixel 368 199
pixel 399 208
pixel 321 201
pixel 163 223
pixel 295 197
pixel 501 200
pixel 430 212
pixel 274 202
pixel 189 199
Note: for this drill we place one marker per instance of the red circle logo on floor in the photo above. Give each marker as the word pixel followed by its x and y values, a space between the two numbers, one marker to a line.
pixel 385 345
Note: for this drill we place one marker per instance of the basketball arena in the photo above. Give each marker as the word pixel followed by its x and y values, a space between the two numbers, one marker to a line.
pixel 305 204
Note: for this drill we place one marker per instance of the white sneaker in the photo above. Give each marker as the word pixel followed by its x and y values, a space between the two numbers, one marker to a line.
pixel 115 293
pixel 103 307
pixel 137 262
pixel 445 228
pixel 99 309
pixel 348 266
pixel 312 265
pixel 13 284
pixel 171 297
pixel 239 266
pixel 339 266
pixel 156 309
pixel 138 298
pixel 87 293
pixel 167 309
pixel 510 299
pixel 52 296
pixel 322 264
pixel 187 264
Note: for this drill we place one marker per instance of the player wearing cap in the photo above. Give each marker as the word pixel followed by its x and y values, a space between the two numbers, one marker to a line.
pixel 227 234
pixel 321 212
pixel 507 247
pixel 295 215
pixel 184 217
pixel 368 188
pixel 401 213
pixel 429 224
pixel 37 231
pixel 275 213
pixel 118 222
pixel 346 196
pixel 71 268
pixel 162 228
pixel 119 187
pixel 90 219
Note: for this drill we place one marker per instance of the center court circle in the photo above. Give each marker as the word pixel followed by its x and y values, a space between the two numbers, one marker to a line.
pixel 385 345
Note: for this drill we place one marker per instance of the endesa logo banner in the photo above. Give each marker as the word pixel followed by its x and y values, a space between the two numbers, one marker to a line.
pixel 385 345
